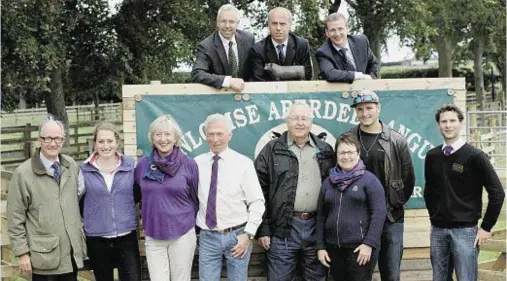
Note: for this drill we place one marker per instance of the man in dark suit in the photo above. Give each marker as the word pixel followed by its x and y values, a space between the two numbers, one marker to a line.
pixel 221 57
pixel 280 46
pixel 345 58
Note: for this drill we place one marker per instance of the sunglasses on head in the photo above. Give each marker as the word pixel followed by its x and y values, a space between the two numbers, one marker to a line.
pixel 365 98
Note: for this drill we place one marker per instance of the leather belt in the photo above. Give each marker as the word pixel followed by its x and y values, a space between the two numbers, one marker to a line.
pixel 226 230
pixel 304 215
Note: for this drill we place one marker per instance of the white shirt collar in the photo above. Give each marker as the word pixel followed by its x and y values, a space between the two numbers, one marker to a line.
pixel 46 162
pixel 345 47
pixel 223 155
pixel 456 145
pixel 225 41
pixel 276 43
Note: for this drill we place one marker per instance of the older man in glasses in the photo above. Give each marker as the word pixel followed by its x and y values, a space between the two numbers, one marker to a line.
pixel 44 224
pixel 291 169
pixel 385 153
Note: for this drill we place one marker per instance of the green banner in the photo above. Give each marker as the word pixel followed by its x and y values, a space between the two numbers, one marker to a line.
pixel 409 112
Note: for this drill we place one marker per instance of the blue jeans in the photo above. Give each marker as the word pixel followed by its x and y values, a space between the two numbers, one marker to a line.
pixel 297 250
pixel 458 244
pixel 391 250
pixel 212 246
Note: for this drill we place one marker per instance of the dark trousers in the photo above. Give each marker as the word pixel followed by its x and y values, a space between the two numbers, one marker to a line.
pixel 344 266
pixel 107 253
pixel 71 276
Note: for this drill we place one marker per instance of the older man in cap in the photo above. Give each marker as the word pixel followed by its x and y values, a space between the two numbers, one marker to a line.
pixel 385 153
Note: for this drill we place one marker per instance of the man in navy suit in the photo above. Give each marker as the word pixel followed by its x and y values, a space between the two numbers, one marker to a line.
pixel 280 46
pixel 221 57
pixel 345 58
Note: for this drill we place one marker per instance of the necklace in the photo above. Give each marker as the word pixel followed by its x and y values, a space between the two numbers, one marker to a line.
pixel 362 145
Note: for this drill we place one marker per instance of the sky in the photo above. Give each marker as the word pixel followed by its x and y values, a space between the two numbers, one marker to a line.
pixel 393 53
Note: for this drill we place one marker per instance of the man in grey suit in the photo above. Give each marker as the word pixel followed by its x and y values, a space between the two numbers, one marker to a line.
pixel 220 59
pixel 345 58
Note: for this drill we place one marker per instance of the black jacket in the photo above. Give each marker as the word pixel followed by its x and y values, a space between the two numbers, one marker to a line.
pixel 263 52
pixel 332 69
pixel 277 168
pixel 399 171
pixel 211 65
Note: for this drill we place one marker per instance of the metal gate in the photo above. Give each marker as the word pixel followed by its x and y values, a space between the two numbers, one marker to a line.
pixel 487 131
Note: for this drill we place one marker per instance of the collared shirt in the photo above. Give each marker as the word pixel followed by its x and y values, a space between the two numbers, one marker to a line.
pixel 275 44
pixel 350 57
pixel 459 143
pixel 309 179
pixel 225 42
pixel 47 163
pixel 108 177
pixel 239 194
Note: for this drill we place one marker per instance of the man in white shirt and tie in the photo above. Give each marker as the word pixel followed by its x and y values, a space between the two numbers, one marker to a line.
pixel 231 205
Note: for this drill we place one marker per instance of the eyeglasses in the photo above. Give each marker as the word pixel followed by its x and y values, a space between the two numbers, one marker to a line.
pixel 300 118
pixel 365 98
pixel 58 140
pixel 347 153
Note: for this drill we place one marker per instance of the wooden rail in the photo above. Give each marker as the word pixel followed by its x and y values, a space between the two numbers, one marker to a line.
pixel 494 270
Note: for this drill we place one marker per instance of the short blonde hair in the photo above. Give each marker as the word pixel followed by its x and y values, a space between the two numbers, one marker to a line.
pixel 166 122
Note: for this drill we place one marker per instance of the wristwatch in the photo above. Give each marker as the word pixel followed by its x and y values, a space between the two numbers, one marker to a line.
pixel 249 235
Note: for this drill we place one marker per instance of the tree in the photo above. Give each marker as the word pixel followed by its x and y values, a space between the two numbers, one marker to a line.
pixel 161 35
pixel 377 18
pixel 33 39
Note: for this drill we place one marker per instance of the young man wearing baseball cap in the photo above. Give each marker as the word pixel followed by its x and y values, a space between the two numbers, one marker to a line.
pixel 385 153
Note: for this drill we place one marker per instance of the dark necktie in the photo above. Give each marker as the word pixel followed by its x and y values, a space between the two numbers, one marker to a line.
pixel 211 209
pixel 347 65
pixel 233 62
pixel 281 56
pixel 56 171
pixel 447 150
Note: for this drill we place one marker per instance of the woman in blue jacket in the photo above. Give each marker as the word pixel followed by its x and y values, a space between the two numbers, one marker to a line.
pixel 350 216
pixel 110 217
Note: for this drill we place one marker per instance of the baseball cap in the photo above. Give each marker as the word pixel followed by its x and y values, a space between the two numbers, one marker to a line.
pixel 365 96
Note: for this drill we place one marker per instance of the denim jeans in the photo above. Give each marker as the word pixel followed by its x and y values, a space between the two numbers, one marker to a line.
pixel 107 253
pixel 458 244
pixel 391 250
pixel 344 266
pixel 297 250
pixel 212 246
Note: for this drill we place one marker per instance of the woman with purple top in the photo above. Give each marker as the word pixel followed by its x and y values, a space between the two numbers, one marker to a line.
pixel 106 181
pixel 168 179
pixel 350 216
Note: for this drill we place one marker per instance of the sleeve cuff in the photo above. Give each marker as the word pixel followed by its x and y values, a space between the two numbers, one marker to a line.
pixel 227 82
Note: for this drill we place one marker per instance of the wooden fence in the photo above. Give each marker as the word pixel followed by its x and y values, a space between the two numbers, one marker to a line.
pixel 18 142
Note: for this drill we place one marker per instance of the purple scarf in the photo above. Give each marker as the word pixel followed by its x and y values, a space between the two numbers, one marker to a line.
pixel 342 179
pixel 160 167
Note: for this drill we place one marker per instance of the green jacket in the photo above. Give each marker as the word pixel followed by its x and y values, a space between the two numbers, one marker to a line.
pixel 43 218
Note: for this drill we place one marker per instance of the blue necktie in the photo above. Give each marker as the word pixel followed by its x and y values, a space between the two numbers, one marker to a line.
pixel 56 171
pixel 211 209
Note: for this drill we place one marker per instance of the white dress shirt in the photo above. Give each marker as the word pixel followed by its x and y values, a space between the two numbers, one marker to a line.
pixel 284 50
pixel 47 164
pixel 239 194
pixel 225 42
pixel 459 143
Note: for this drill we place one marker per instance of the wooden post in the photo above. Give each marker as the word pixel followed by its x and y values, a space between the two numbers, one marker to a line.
pixel 27 139
pixel 76 137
